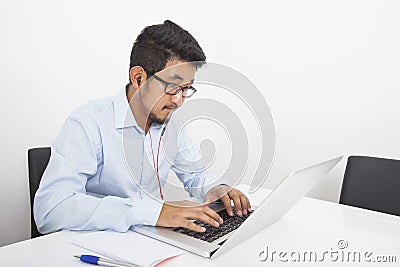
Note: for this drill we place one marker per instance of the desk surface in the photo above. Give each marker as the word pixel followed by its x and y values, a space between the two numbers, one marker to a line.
pixel 314 230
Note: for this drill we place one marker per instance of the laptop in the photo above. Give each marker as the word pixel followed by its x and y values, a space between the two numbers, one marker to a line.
pixel 235 229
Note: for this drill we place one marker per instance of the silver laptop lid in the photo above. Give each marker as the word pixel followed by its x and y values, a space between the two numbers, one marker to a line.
pixel 293 187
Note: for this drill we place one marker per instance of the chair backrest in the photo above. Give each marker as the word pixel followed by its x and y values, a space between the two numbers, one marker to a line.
pixel 372 183
pixel 38 158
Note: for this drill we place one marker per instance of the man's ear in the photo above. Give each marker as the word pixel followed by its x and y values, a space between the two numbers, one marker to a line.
pixel 137 76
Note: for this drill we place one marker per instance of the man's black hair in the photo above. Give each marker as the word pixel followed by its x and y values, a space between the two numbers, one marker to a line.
pixel 157 44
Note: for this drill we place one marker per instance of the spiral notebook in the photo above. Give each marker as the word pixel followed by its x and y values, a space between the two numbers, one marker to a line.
pixel 129 247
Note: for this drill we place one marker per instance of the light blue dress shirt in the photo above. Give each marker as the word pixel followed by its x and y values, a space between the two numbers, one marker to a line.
pixel 101 174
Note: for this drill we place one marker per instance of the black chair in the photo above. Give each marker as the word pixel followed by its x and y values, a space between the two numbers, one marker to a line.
pixel 38 158
pixel 372 183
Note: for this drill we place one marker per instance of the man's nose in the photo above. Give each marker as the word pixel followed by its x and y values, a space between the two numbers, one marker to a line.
pixel 177 99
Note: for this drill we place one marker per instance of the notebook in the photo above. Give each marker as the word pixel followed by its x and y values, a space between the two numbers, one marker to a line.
pixel 129 247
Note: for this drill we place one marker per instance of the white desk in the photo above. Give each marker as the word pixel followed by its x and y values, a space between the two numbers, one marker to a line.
pixel 311 226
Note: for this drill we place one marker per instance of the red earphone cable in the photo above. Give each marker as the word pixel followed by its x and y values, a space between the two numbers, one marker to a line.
pixel 151 145
pixel 154 162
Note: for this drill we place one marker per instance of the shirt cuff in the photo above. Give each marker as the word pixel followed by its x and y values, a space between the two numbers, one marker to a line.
pixel 145 211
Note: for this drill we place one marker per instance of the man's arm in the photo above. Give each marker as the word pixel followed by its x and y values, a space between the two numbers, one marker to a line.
pixel 61 201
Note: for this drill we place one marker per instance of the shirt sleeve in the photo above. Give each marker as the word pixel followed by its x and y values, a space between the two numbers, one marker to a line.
pixel 196 178
pixel 62 202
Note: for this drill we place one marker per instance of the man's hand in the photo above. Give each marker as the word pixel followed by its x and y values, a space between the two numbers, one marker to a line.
pixel 226 194
pixel 180 214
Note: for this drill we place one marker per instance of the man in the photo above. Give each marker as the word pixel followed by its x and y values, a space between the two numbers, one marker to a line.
pixel 106 170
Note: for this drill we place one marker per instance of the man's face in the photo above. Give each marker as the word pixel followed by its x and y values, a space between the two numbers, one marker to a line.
pixel 155 100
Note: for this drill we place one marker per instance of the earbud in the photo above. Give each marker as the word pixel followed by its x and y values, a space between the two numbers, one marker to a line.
pixel 139 81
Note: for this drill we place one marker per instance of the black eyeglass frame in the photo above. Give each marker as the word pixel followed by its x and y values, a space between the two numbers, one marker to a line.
pixel 174 85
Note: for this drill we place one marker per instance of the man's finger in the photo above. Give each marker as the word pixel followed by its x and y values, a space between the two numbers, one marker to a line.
pixel 245 203
pixel 236 201
pixel 248 203
pixel 227 203
pixel 211 213
pixel 192 226
pixel 201 216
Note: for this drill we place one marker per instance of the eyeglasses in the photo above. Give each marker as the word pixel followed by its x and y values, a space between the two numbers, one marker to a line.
pixel 174 89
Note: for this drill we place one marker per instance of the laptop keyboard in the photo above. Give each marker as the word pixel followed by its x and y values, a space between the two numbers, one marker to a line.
pixel 213 233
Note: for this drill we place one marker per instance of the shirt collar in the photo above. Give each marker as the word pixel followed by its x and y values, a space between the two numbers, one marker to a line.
pixel 123 114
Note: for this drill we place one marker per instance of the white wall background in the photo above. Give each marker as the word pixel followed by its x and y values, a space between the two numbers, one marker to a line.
pixel 330 71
